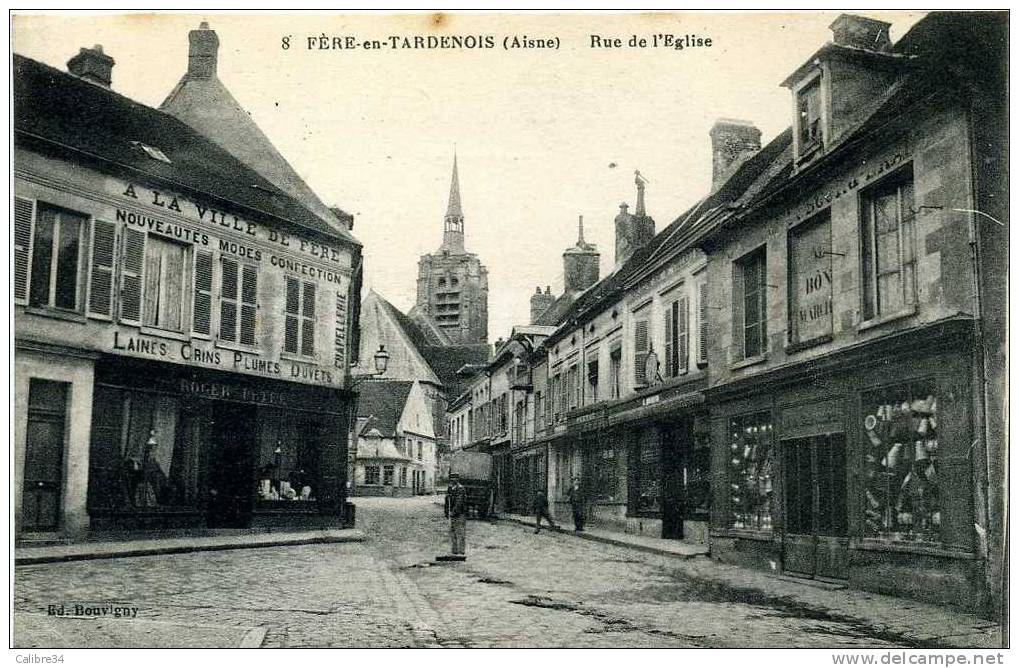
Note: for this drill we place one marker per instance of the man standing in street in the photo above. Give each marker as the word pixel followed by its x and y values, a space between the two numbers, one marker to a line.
pixel 541 510
pixel 456 511
pixel 577 502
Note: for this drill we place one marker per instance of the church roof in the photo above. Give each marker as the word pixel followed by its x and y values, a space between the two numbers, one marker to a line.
pixel 202 101
pixel 453 209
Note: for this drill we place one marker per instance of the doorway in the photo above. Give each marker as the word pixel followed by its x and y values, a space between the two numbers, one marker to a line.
pixel 44 455
pixel 231 472
pixel 677 447
pixel 815 542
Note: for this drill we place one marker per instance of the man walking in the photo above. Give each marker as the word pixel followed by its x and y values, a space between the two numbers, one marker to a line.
pixel 577 502
pixel 541 510
pixel 456 511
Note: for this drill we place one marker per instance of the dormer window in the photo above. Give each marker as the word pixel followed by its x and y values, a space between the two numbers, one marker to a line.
pixel 808 117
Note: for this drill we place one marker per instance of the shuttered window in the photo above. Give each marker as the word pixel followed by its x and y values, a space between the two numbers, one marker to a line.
pixel 23 209
pixel 670 339
pixel 299 329
pixel 640 351
pixel 100 290
pixel 682 335
pixel 238 302
pixel 702 323
pixel 201 319
pixel 132 265
pixel 165 291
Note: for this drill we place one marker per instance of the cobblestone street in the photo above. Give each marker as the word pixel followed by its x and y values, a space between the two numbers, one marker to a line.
pixel 516 589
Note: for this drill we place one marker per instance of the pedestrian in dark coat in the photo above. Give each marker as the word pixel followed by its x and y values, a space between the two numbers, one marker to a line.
pixel 456 511
pixel 541 510
pixel 577 504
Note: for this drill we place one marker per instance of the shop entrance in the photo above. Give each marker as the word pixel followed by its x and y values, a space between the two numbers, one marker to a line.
pixel 815 541
pixel 231 471
pixel 44 455
pixel 677 447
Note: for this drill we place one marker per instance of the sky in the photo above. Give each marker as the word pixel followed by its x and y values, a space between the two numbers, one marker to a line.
pixel 542 135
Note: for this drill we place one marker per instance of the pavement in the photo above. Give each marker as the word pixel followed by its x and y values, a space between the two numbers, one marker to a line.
pixel 515 589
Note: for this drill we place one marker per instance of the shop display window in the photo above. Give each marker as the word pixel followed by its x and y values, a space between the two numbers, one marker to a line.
pixel 601 480
pixel 646 496
pixel 697 478
pixel 751 472
pixel 901 461
pixel 287 469
pixel 145 452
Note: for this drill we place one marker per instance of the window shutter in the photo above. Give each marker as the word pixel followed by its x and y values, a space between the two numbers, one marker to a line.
pixel 737 313
pixel 201 319
pixel 640 350
pixel 907 234
pixel 23 209
pixel 702 323
pixel 100 285
pixel 670 367
pixel 308 326
pixel 683 324
pixel 249 304
pixel 293 307
pixel 228 301
pixel 132 267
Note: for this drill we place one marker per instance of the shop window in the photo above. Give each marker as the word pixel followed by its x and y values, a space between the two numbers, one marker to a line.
pixel 808 117
pixel 615 367
pixel 888 246
pixel 238 302
pixel 57 258
pixel 645 473
pixel 601 477
pixel 749 305
pixel 387 475
pixel 751 472
pixel 697 479
pixel 903 463
pixel 677 337
pixel 371 475
pixel 164 294
pixel 144 452
pixel 289 450
pixel 299 330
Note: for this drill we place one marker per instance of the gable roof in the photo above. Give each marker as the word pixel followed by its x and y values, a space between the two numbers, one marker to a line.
pixel 382 402
pixel 55 111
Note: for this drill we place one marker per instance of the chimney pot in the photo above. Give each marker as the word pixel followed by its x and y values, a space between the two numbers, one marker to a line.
pixel 92 65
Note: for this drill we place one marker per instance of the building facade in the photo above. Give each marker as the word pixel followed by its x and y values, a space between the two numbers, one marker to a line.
pixel 180 323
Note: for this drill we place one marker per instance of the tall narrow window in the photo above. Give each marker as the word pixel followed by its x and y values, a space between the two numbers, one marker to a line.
pixel 237 302
pixel 573 386
pixel 57 258
pixel 299 333
pixel 808 120
pixel 676 338
pixel 615 366
pixel 750 318
pixel 592 379
pixel 888 244
pixel 682 335
pixel 640 351
pixel 164 293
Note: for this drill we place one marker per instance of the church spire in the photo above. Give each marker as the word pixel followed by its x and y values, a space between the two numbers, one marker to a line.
pixel 453 230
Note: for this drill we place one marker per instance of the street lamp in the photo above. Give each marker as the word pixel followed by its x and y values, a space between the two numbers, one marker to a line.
pixel 381 360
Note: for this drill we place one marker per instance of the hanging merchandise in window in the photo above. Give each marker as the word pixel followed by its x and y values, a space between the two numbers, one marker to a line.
pixel 751 472
pixel 646 473
pixel 902 463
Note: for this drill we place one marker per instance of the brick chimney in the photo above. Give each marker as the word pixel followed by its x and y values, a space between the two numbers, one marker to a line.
pixel 732 142
pixel 92 65
pixel 344 217
pixel 203 52
pixel 540 302
pixel 861 32
pixel 633 230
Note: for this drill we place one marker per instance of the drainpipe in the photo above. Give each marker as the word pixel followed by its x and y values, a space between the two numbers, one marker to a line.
pixel 981 453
